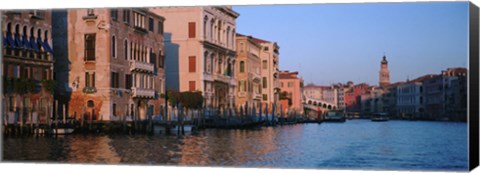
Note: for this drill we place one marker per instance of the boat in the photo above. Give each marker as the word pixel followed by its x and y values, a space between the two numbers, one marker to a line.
pixel 380 117
pixel 62 131
pixel 334 116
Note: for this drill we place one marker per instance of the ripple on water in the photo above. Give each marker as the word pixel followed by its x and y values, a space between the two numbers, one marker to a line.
pixel 355 144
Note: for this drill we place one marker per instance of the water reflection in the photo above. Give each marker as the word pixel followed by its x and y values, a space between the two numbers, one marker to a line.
pixel 356 144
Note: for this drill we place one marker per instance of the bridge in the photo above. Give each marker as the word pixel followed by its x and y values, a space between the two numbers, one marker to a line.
pixel 314 106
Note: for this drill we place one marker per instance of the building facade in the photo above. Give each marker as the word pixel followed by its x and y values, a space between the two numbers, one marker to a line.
pixel 248 73
pixel 313 91
pixel 269 56
pixel 291 91
pixel 27 65
pixel 410 99
pixel 110 63
pixel 200 51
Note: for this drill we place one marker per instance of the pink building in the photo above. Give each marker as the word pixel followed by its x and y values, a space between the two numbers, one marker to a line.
pixel 291 93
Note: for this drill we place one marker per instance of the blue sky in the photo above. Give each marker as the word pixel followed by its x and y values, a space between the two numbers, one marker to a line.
pixel 330 43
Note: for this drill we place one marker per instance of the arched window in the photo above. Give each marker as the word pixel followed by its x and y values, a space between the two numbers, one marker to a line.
pixel 233 39
pixel 125 49
pixel 228 36
pixel 31 32
pixel 131 50
pixel 205 20
pixel 24 33
pixel 90 104
pixel 39 38
pixel 9 28
pixel 219 37
pixel 242 66
pixel 205 62
pixel 113 46
pixel 45 37
pixel 211 29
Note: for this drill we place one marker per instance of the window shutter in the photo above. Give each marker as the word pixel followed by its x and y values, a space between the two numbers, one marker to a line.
pixel 192 64
pixel 191 30
pixel 191 85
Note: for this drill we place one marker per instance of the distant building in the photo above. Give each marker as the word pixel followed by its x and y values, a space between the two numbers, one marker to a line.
pixel 372 101
pixel 410 99
pixel 291 92
pixel 456 93
pixel 27 64
pixel 313 91
pixel 384 74
pixel 390 99
pixel 248 72
pixel 200 51
pixel 109 62
pixel 353 97
pixel 330 95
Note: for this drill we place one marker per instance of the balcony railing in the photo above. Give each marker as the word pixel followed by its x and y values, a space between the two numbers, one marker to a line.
pixel 222 78
pixel 141 66
pixel 143 93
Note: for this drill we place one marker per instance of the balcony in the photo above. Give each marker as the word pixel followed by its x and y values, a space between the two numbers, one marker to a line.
pixel 276 84
pixel 143 93
pixel 255 77
pixel 222 78
pixel 141 67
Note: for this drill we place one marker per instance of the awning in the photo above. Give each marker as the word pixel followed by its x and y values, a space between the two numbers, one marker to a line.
pixel 18 41
pixel 10 40
pixel 26 42
pixel 45 45
pixel 34 44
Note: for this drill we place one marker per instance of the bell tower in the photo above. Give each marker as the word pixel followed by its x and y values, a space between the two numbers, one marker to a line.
pixel 384 75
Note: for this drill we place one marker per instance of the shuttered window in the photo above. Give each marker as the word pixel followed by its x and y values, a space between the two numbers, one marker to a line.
pixel 191 85
pixel 191 64
pixel 191 30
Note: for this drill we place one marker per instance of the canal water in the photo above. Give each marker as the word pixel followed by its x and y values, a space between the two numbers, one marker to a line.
pixel 355 144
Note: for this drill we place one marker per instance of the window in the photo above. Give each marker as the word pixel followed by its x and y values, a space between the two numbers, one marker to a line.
pixel 265 97
pixel 290 84
pixel 114 47
pixel 264 64
pixel 191 29
pixel 160 27
pixel 114 80
pixel 241 46
pixel 126 16
pixel 161 60
pixel 139 21
pixel 90 104
pixel 191 85
pixel 153 58
pixel 264 82
pixel 89 47
pixel 128 81
pixel 191 64
pixel 114 109
pixel 242 66
pixel 150 24
pixel 90 79
pixel 90 12
pixel 281 84
pixel 125 49
pixel 114 14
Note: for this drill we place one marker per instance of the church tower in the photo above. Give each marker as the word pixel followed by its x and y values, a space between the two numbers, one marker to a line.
pixel 384 75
